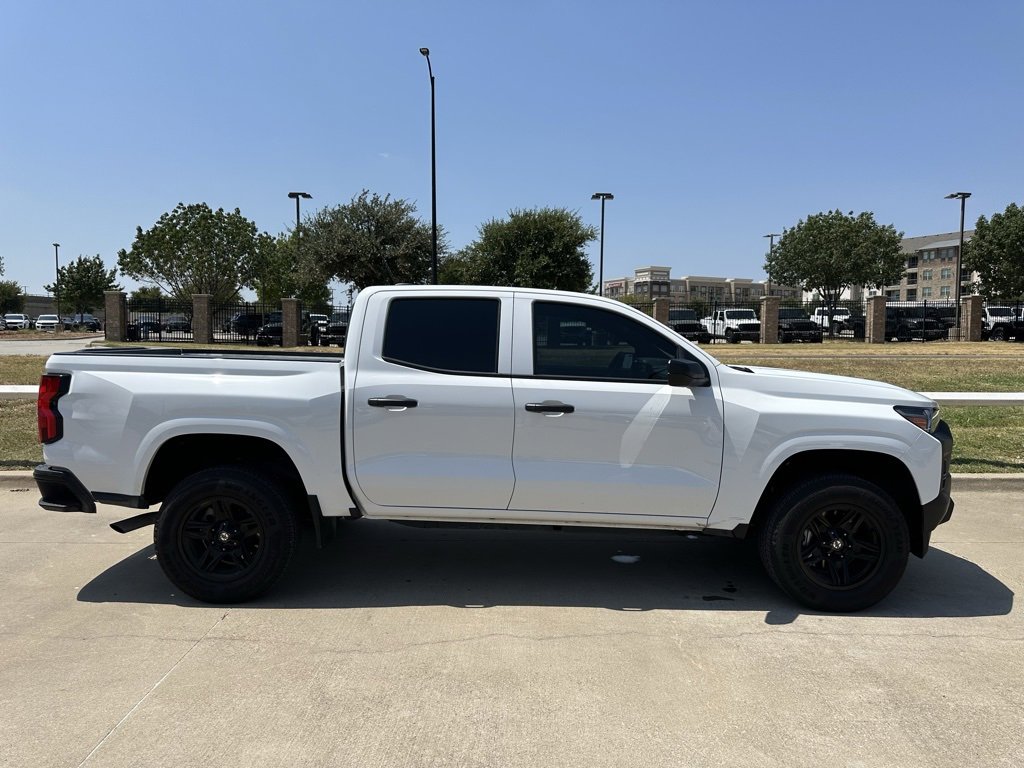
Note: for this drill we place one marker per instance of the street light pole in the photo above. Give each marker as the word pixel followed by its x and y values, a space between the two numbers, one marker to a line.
pixel 56 284
pixel 297 196
pixel 602 196
pixel 962 197
pixel 771 247
pixel 433 171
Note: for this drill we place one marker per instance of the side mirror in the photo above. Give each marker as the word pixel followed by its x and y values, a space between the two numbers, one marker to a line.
pixel 687 373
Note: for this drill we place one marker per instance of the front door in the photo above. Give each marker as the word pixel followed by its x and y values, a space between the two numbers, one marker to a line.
pixel 597 427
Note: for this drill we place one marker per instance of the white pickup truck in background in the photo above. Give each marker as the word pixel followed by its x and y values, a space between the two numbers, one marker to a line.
pixel 734 325
pixel 488 405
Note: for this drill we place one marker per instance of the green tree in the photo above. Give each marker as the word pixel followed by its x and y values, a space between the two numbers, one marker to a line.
pixel 194 249
pixel 996 253
pixel 81 284
pixel 288 269
pixel 11 297
pixel 371 240
pixel 148 298
pixel 833 251
pixel 536 248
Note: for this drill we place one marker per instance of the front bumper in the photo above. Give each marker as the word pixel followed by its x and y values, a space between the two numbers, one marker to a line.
pixel 60 490
pixel 940 509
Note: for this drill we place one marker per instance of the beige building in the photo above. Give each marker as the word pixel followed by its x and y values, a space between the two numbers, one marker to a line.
pixel 932 261
pixel 657 282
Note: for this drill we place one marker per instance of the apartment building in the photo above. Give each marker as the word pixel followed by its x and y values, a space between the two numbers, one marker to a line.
pixel 932 263
pixel 657 282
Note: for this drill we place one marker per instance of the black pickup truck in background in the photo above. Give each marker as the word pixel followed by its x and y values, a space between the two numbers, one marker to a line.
pixel 686 323
pixel 796 325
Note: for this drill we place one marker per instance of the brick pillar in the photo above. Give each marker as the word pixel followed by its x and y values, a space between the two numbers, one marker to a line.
pixel 770 319
pixel 970 318
pixel 291 322
pixel 874 330
pixel 115 307
pixel 202 320
pixel 661 310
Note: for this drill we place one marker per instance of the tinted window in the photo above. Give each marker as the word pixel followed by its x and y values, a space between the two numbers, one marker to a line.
pixel 586 342
pixel 452 335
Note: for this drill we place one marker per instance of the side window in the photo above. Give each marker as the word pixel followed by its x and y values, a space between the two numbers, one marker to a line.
pixel 446 335
pixel 581 342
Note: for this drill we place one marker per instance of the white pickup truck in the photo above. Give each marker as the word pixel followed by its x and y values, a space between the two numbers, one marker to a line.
pixel 734 325
pixel 480 405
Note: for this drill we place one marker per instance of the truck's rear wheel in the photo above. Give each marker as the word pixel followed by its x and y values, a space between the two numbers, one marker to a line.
pixel 835 543
pixel 225 535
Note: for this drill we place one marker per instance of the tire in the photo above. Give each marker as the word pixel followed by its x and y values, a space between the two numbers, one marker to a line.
pixel 225 535
pixel 997 334
pixel 730 337
pixel 835 543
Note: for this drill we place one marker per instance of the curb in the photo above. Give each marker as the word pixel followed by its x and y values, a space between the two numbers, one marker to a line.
pixel 981 481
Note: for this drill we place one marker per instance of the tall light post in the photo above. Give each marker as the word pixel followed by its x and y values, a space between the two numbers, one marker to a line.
pixel 771 248
pixel 602 196
pixel 433 170
pixel 297 197
pixel 56 269
pixel 962 197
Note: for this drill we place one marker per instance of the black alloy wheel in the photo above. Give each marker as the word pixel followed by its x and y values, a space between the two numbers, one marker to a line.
pixel 221 538
pixel 841 547
pixel 835 542
pixel 225 534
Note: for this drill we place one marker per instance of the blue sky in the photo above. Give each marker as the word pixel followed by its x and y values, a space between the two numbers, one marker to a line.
pixel 711 123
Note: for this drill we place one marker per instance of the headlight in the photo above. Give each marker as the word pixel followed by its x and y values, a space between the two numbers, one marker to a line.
pixel 925 418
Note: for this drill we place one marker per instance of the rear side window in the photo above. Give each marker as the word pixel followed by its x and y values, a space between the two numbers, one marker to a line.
pixel 447 335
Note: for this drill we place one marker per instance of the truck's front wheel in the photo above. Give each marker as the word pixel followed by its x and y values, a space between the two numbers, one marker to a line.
pixel 835 543
pixel 225 535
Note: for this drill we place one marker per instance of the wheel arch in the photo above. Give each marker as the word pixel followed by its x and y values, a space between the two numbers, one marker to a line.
pixel 886 471
pixel 184 455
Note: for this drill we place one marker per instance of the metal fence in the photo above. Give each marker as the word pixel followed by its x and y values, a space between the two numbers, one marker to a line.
pixel 238 322
pixel 160 319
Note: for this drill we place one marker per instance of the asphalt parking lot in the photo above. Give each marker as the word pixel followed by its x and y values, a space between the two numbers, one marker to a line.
pixel 398 646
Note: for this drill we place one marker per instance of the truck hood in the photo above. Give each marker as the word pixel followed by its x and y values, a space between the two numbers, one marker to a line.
pixel 783 382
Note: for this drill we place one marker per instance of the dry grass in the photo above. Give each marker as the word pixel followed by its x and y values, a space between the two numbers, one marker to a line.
pixel 19 440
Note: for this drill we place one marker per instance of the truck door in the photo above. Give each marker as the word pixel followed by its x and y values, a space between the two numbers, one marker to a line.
pixel 432 406
pixel 598 428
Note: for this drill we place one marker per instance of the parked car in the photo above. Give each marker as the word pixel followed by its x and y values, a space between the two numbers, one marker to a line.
pixel 337 330
pixel 914 323
pixel 796 325
pixel 15 321
pixel 47 323
pixel 734 325
pixel 1001 324
pixel 270 334
pixel 840 319
pixel 82 321
pixel 246 323
pixel 177 324
pixel 837 479
pixel 686 323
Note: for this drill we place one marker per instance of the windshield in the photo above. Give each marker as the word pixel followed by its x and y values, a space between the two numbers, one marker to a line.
pixel 792 314
pixel 47 318
pixel 1000 311
pixel 740 314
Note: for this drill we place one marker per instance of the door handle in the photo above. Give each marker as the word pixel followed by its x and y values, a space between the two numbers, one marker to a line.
pixel 392 401
pixel 550 406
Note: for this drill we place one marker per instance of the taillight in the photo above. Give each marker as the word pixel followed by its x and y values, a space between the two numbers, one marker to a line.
pixel 51 387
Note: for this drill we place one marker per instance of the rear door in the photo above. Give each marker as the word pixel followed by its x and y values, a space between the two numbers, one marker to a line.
pixel 432 406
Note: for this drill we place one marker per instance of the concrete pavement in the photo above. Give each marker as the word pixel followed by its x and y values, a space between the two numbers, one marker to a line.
pixel 399 646
pixel 46 346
